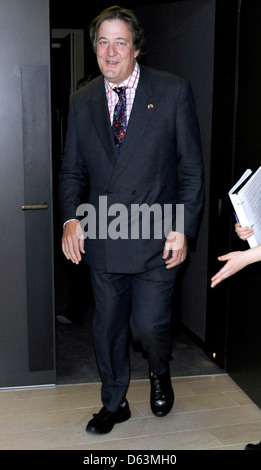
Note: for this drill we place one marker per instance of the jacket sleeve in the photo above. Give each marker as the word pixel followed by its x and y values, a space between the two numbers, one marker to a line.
pixel 190 164
pixel 73 179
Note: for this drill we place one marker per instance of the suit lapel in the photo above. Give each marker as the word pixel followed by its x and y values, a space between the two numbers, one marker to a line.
pixel 101 119
pixel 144 106
pixel 141 114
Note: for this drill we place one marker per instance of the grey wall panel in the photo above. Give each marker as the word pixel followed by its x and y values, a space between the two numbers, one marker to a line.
pixel 24 40
pixel 38 218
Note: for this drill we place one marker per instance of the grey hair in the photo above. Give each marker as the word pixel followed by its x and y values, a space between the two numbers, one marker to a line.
pixel 117 13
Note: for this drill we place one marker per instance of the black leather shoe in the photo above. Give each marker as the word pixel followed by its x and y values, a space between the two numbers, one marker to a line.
pixel 161 394
pixel 103 422
pixel 253 446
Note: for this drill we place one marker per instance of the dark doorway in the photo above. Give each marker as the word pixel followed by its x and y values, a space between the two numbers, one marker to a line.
pixel 75 352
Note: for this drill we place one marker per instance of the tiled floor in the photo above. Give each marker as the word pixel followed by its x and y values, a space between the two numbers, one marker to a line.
pixel 210 412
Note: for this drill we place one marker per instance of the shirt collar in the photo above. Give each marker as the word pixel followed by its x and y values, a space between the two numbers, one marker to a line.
pixel 130 82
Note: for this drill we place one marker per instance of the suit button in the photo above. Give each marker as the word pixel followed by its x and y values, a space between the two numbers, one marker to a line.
pixel 134 192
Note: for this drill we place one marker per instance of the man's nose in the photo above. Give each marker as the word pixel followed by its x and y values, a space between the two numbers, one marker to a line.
pixel 111 50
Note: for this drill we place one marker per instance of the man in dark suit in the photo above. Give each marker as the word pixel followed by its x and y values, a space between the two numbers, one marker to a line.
pixel 133 246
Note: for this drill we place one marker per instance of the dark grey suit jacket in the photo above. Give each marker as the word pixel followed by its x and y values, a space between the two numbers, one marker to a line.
pixel 160 163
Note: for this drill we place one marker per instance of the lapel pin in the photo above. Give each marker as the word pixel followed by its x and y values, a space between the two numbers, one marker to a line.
pixel 150 106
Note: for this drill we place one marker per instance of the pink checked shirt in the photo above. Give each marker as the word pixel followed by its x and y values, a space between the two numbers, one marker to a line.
pixel 131 83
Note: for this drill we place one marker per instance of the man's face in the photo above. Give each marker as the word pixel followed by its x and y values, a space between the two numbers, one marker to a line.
pixel 115 51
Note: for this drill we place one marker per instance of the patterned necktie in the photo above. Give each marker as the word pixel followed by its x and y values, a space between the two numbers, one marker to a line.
pixel 119 124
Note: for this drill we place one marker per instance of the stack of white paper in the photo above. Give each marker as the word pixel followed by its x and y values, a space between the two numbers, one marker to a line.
pixel 246 199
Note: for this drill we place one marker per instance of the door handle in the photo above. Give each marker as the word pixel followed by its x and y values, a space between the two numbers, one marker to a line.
pixel 33 207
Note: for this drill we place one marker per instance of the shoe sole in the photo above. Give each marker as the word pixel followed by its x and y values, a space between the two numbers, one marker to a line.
pixel 160 414
pixel 92 430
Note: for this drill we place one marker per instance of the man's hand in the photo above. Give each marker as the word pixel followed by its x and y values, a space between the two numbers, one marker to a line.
pixel 176 247
pixel 73 241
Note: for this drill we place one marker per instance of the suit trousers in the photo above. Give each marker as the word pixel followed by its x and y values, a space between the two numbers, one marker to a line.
pixel 131 303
